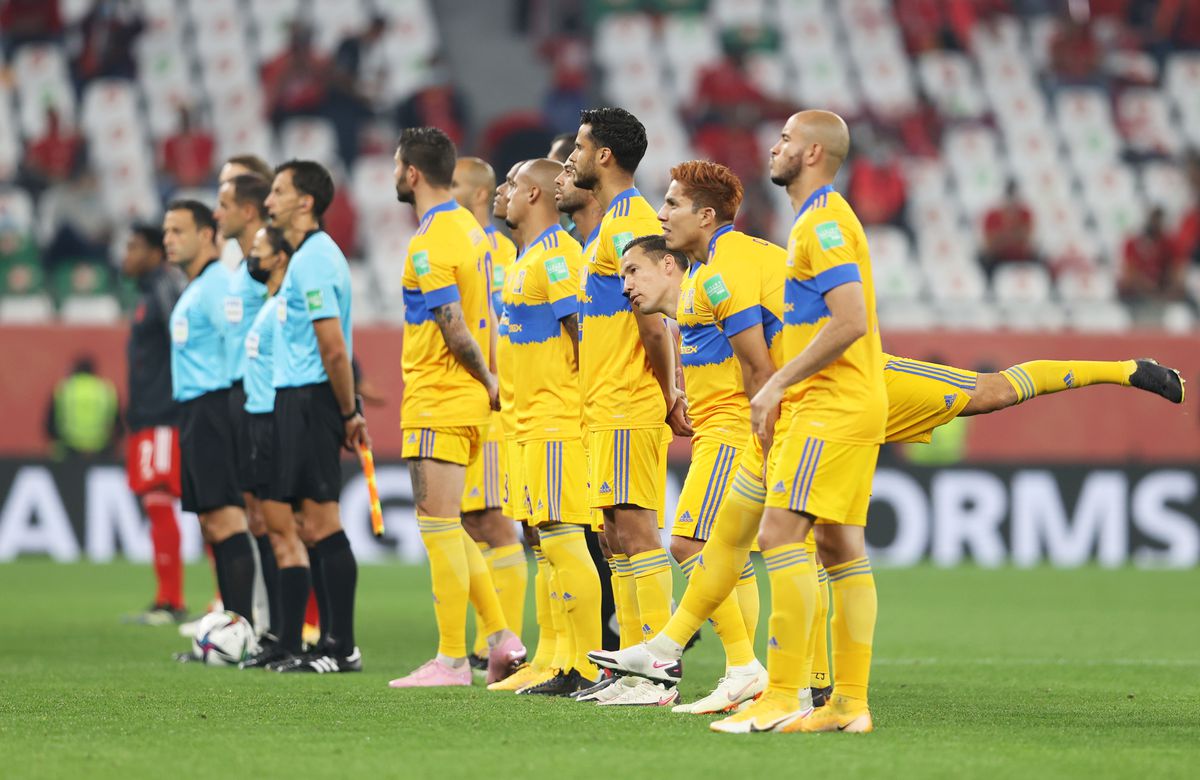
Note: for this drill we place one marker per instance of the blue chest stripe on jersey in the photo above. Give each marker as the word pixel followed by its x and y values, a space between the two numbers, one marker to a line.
pixel 803 303
pixel 532 323
pixel 415 310
pixel 605 296
pixel 703 345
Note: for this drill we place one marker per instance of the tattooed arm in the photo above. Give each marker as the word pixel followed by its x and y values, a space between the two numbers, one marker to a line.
pixel 449 319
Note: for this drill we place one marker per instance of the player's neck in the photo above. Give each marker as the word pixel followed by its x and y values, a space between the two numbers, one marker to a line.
pixel 537 223
pixel 803 187
pixel 200 262
pixel 275 280
pixel 587 218
pixel 699 250
pixel 246 239
pixel 483 216
pixel 608 189
pixel 296 232
pixel 425 198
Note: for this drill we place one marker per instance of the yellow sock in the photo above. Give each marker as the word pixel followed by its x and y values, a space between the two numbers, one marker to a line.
pixel 728 622
pixel 853 626
pixel 483 590
pixel 652 571
pixel 481 647
pixel 722 559
pixel 510 573
pixel 445 543
pixel 541 591
pixel 614 580
pixel 1039 377
pixel 627 614
pixel 748 601
pixel 793 600
pixel 566 548
pixel 820 664
pixel 564 648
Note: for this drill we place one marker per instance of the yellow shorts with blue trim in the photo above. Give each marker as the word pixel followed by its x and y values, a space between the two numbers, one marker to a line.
pixel 829 480
pixel 452 444
pixel 484 486
pixel 513 495
pixel 704 488
pixel 555 475
pixel 923 396
pixel 628 467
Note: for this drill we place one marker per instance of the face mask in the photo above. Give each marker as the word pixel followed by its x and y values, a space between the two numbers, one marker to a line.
pixel 257 272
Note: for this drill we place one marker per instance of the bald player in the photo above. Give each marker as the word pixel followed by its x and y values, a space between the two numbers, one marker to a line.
pixel 474 187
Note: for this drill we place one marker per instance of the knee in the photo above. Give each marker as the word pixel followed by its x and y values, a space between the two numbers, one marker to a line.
pixel 289 550
pixel 499 531
pixel 683 548
pixel 992 393
pixel 258 525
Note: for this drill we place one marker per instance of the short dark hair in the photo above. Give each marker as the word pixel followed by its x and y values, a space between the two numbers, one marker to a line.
pixel 655 245
pixel 431 152
pixel 254 189
pixel 151 234
pixel 278 240
pixel 620 131
pixel 200 213
pixel 563 138
pixel 311 178
pixel 254 163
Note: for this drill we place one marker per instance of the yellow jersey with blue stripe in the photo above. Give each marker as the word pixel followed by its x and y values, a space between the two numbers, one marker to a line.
pixel 447 262
pixel 543 295
pixel 738 287
pixel 503 253
pixel 846 401
pixel 619 388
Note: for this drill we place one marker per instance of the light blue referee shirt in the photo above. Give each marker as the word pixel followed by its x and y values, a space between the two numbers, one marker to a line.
pixel 199 353
pixel 315 287
pixel 244 299
pixel 259 347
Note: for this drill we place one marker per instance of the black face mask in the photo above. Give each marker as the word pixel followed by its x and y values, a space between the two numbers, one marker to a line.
pixel 257 272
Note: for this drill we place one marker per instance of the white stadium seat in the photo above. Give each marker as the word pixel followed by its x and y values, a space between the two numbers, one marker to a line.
pixel 1084 285
pixel 90 310
pixel 1145 120
pixel 1021 283
pixel 26 309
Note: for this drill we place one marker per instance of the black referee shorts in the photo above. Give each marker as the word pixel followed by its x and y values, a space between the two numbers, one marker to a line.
pixel 260 468
pixel 240 419
pixel 209 478
pixel 308 444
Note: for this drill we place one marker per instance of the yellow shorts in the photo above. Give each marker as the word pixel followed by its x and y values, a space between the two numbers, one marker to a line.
pixel 555 482
pixel 459 444
pixel 484 486
pixel 708 479
pixel 513 495
pixel 628 467
pixel 829 480
pixel 923 396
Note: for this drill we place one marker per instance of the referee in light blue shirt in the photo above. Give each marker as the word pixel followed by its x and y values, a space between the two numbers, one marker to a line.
pixel 316 412
pixel 200 383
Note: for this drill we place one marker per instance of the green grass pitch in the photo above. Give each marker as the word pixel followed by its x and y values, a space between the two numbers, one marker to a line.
pixel 1005 673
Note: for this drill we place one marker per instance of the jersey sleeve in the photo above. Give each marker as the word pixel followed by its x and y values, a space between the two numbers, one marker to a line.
pixel 436 266
pixel 830 248
pixel 314 279
pixel 562 281
pixel 620 233
pixel 735 297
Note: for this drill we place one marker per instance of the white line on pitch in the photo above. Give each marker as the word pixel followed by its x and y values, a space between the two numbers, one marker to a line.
pixel 1036 661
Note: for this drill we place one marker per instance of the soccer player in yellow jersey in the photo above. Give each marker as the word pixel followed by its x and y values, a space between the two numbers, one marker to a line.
pixel 449 392
pixel 541 318
pixel 627 374
pixel 473 188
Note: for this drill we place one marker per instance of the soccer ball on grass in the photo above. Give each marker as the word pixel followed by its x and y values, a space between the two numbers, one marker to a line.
pixel 224 639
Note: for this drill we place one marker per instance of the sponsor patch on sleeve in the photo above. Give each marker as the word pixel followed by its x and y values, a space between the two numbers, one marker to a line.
pixel 715 289
pixel 620 241
pixel 315 300
pixel 556 269
pixel 421 263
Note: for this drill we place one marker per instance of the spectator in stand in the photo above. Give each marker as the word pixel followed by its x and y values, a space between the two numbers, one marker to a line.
pixel 1075 56
pixel 569 60
pixel 358 86
pixel 437 105
pixel 108 34
pixel 1008 232
pixel 735 144
pixel 187 156
pixel 1187 240
pixel 341 222
pixel 877 187
pixel 725 88
pixel 1177 24
pixel 51 158
pixel 296 82
pixel 17 246
pixel 1153 268
pixel 28 21
pixel 75 223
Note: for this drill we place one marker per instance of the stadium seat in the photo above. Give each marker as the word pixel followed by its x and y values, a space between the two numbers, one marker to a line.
pixel 769 73
pixel 364 292
pixel 100 309
pixel 309 139
pixel 1178 319
pixel 968 315
pixel 334 22
pixel 26 309
pixel 812 38
pixel 905 315
pixel 1087 285
pixel 1145 121
pixel 954 283
pixel 246 137
pixel 827 83
pixel 886 79
pixel 948 79
pixel 1181 81
pixel 40 75
pixel 1166 185
pixel 10 142
pixel 1023 283
pixel 619 35
pixel 1095 317
pixel 17 207
pixel 273 20
pixel 738 13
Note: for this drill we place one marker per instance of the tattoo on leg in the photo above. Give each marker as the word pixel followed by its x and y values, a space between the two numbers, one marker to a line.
pixel 417 473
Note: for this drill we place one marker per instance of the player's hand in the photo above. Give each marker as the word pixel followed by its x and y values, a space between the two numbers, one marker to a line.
pixel 493 391
pixel 764 409
pixel 769 439
pixel 356 433
pixel 677 418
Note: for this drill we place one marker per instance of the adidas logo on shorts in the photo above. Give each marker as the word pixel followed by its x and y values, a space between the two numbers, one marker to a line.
pixel 779 488
pixel 604 488
pixel 686 517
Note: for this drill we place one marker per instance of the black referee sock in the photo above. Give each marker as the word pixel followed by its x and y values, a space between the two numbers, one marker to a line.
pixel 319 589
pixel 235 573
pixel 294 583
pixel 341 581
pixel 270 575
